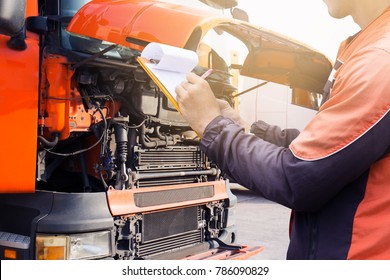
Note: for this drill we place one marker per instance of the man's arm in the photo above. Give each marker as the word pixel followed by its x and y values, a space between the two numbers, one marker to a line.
pixel 348 134
pixel 279 176
pixel 273 133
pixel 267 132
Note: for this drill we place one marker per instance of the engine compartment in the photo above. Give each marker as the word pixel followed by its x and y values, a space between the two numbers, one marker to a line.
pixel 105 127
pixel 121 132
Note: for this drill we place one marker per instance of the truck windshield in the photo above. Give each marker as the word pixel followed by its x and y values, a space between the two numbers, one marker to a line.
pixel 86 44
pixel 69 9
pixel 216 41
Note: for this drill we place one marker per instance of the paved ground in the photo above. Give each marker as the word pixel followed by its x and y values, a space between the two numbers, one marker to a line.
pixel 262 223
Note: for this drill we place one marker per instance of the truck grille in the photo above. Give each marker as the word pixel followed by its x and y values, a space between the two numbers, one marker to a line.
pixel 157 164
pixel 169 244
pixel 170 230
pixel 162 197
pixel 168 158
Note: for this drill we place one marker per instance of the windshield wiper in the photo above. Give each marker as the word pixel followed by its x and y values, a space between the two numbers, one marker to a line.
pixel 92 57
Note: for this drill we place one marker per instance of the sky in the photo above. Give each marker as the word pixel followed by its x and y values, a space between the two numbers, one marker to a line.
pixel 307 21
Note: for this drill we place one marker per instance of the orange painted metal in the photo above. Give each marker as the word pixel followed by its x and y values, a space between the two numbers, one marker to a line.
pixel 80 119
pixel 19 75
pixel 120 21
pixel 244 253
pixel 122 202
pixel 31 8
pixel 55 95
pixel 61 102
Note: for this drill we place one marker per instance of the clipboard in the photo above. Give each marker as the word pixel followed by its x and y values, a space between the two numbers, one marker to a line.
pixel 167 66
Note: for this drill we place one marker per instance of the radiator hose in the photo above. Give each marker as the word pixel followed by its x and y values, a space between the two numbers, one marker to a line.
pixel 46 143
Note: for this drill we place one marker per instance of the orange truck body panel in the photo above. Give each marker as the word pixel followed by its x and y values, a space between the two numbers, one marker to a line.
pixel 19 76
pixel 125 202
pixel 123 21
pixel 18 116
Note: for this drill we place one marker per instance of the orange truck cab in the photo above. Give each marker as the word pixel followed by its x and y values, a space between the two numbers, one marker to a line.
pixel 96 162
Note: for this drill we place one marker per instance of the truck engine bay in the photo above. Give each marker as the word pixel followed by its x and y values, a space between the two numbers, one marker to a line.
pixel 105 126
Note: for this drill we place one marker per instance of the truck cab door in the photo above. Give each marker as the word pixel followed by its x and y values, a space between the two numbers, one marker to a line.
pixel 19 76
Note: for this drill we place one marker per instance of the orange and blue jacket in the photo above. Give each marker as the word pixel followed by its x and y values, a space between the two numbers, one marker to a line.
pixel 334 175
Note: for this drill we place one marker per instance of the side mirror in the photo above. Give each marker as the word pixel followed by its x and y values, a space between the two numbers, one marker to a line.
pixel 37 24
pixel 12 15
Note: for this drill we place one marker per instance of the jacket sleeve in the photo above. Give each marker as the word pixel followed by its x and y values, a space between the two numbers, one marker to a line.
pixel 278 175
pixel 273 133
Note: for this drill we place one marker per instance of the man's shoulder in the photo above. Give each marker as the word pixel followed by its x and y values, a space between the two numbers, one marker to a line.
pixel 382 45
pixel 379 38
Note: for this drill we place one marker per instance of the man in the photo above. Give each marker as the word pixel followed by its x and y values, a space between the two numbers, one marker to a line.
pixel 335 175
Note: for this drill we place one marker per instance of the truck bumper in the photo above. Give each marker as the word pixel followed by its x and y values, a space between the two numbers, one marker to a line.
pixel 242 253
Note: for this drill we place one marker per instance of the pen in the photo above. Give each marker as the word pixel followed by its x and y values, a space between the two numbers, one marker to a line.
pixel 206 74
pixel 154 61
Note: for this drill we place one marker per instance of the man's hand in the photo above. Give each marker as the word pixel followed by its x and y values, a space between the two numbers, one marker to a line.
pixel 229 112
pixel 197 102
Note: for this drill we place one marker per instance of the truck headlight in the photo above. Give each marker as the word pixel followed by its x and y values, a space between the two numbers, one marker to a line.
pixel 90 245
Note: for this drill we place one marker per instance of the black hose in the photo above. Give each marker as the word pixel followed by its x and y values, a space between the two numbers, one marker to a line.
pixel 43 141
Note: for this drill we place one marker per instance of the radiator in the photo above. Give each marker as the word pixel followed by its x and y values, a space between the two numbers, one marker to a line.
pixel 170 230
